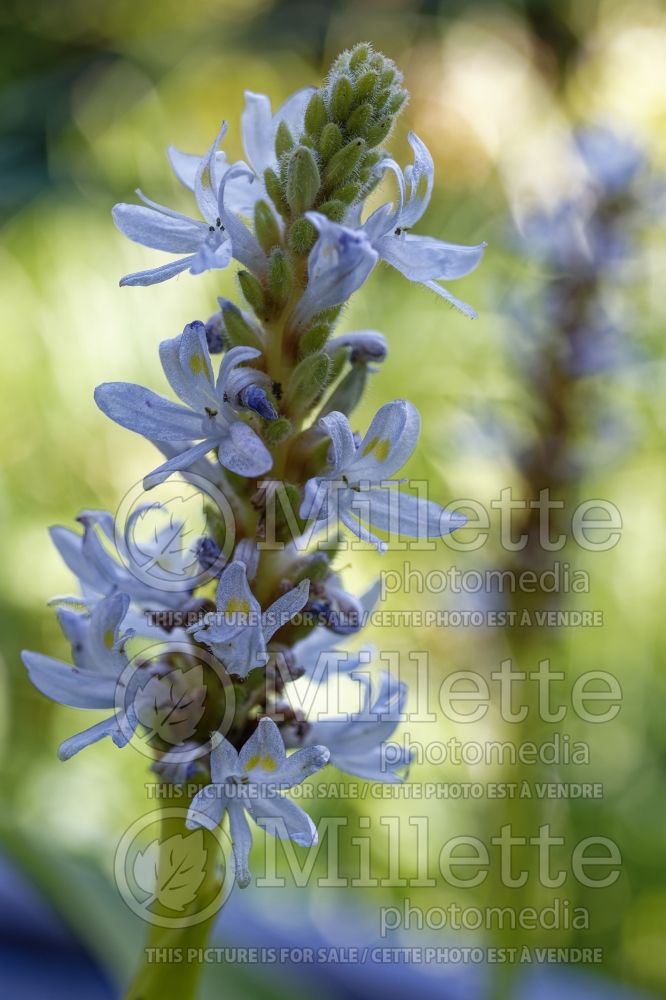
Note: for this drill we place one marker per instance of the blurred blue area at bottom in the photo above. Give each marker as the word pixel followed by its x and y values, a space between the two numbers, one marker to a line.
pixel 40 959
pixel 246 923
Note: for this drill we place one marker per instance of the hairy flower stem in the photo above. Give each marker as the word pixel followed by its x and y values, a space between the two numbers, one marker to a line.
pixel 159 977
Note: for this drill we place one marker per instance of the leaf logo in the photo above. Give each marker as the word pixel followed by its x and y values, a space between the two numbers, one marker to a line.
pixel 164 549
pixel 171 707
pixel 173 884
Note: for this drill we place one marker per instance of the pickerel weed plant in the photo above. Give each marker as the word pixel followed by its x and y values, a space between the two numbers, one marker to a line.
pixel 268 430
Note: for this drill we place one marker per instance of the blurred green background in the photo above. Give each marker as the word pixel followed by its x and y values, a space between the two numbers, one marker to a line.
pixel 92 93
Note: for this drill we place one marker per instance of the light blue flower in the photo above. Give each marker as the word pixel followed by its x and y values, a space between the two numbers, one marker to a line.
pixel 358 490
pixel 386 232
pixel 100 660
pixel 364 346
pixel 339 262
pixel 339 611
pixel 223 191
pixel 357 743
pixel 205 244
pixel 259 127
pixel 206 417
pixel 238 632
pixel 250 781
pixel 613 158
pixel 100 573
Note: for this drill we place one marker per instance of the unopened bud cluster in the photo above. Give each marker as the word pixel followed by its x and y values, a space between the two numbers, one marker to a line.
pixel 332 164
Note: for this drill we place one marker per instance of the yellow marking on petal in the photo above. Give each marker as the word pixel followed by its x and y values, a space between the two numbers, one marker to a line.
pixel 266 762
pixel 238 605
pixel 380 446
pixel 196 364
pixel 108 639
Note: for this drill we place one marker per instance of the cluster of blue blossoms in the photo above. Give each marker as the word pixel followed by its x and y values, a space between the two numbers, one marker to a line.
pixel 270 421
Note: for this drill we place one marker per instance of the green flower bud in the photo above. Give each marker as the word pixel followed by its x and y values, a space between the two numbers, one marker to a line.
pixel 330 141
pixel 381 99
pixel 342 96
pixel 302 237
pixel 379 131
pixel 365 85
pixel 348 193
pixel 280 278
pixel 341 166
pixel 277 431
pixel 316 115
pixel 348 393
pixel 291 498
pixel 359 55
pixel 338 362
pixel 359 119
pixel 333 210
pixel 284 140
pixel 238 330
pixel 253 293
pixel 315 568
pixel 313 340
pixel 308 380
pixel 396 102
pixel 303 180
pixel 275 192
pixel 266 227
pixel 388 76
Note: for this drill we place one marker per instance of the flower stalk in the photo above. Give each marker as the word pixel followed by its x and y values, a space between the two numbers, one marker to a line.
pixel 261 422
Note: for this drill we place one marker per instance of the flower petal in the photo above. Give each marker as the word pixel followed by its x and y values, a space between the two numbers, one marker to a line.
pixel 69 685
pixel 157 230
pixel 338 264
pixel 300 765
pixel 339 430
pixel 207 808
pixel 284 819
pixel 206 183
pixel 183 460
pixel 185 165
pixel 213 255
pixel 241 841
pixel 236 356
pixel 420 178
pixel 146 413
pixel 263 754
pixel 422 258
pixel 108 727
pixel 157 274
pixel 87 570
pixel 446 294
pixel 223 760
pixel 402 513
pixel 258 131
pixel 104 645
pixel 245 247
pixel 186 363
pixel 243 452
pixel 292 112
pixel 389 442
pixel 237 607
pixel 284 609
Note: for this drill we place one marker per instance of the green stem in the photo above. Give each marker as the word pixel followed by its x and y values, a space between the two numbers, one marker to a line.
pixel 166 973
